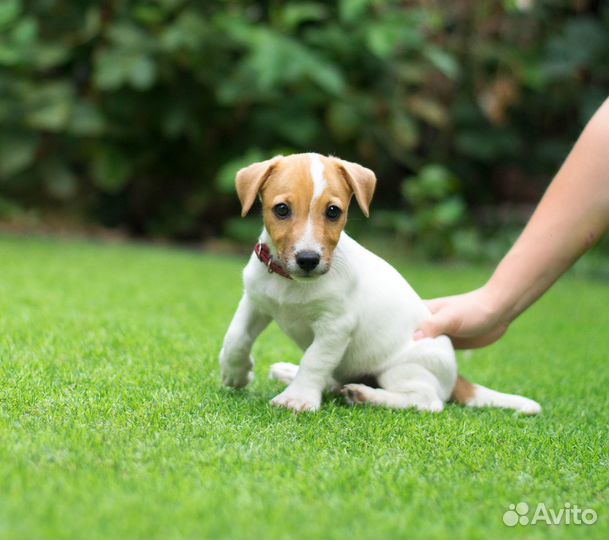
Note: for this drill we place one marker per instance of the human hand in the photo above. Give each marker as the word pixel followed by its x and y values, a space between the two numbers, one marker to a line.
pixel 471 320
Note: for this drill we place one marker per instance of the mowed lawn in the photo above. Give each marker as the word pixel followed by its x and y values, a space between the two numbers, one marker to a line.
pixel 113 423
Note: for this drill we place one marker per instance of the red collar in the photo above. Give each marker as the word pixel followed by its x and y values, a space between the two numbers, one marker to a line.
pixel 263 253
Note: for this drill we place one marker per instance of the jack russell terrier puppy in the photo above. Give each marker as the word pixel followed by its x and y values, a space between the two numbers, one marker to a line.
pixel 351 313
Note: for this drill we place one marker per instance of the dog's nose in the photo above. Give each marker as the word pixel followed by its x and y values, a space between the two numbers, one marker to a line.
pixel 307 260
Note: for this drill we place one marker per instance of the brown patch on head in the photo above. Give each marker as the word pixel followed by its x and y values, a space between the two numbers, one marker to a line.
pixel 250 180
pixel 463 392
pixel 362 182
pixel 316 190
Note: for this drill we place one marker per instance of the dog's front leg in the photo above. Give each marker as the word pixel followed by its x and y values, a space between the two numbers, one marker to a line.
pixel 316 368
pixel 236 363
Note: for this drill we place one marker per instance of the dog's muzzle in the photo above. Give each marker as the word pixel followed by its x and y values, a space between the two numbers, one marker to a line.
pixel 307 260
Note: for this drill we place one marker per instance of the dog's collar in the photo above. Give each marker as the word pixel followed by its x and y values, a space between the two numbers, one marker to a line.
pixel 263 253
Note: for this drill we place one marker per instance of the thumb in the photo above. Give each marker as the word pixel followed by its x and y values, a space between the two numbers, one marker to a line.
pixel 435 304
pixel 442 322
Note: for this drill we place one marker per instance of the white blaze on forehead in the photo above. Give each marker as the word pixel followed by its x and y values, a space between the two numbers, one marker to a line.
pixel 307 241
pixel 317 174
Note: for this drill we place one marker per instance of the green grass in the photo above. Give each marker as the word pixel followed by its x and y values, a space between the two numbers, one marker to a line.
pixel 113 423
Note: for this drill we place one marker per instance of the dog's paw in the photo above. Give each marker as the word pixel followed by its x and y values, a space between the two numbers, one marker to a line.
pixel 298 401
pixel 527 406
pixel 236 370
pixel 433 406
pixel 355 394
pixel 283 372
pixel 237 377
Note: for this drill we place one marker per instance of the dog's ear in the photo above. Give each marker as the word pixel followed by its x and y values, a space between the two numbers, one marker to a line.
pixel 361 180
pixel 250 179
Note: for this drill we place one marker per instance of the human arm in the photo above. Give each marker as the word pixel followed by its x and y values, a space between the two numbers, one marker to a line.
pixel 571 217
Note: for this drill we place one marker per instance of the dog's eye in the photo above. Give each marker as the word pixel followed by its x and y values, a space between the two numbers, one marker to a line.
pixel 333 212
pixel 282 210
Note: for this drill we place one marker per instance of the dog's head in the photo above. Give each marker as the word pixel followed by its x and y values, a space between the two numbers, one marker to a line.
pixel 305 199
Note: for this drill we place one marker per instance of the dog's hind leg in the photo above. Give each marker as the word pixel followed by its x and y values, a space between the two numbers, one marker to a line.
pixel 420 397
pixel 420 377
pixel 402 386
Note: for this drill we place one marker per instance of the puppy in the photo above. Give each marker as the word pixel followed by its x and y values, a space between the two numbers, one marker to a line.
pixel 351 313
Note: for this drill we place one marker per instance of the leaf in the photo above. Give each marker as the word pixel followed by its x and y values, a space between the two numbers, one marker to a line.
pixel 149 13
pixel 49 106
pixel 429 110
pixel 436 180
pixel 449 212
pixel 327 76
pixel 186 32
pixel 9 56
pixel 127 35
pixel 244 230
pixel 343 120
pixel 9 11
pixel 404 130
pixel 59 180
pixel 9 209
pixel 86 120
pixel 17 152
pixel 382 39
pixel 25 32
pixel 110 169
pixel 51 117
pixel 386 37
pixel 279 60
pixel 49 55
pixel 225 179
pixel 351 10
pixel 92 24
pixel 143 73
pixel 411 191
pixel 109 69
pixel 442 61
pixel 176 120
pixel 295 14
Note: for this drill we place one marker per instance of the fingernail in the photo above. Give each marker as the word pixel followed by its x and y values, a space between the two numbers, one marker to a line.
pixel 419 334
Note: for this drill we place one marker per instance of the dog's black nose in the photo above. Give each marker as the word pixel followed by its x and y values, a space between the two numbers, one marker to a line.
pixel 307 260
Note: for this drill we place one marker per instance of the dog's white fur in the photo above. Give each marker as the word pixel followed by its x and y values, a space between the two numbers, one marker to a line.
pixel 308 242
pixel 356 320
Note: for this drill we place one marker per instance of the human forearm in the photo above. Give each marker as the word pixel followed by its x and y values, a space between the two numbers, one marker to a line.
pixel 570 218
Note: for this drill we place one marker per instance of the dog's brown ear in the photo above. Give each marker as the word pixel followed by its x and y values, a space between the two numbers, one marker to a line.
pixel 362 182
pixel 250 179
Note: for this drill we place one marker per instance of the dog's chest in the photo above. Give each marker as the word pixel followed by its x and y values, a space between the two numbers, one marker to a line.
pixel 295 314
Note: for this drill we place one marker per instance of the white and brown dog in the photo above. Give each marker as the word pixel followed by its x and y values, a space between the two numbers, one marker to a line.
pixel 351 313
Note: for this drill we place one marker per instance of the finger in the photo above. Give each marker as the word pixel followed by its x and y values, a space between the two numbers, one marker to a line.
pixel 435 304
pixel 480 341
pixel 442 322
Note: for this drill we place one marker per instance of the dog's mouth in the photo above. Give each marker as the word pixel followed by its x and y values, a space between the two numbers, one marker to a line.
pixel 302 274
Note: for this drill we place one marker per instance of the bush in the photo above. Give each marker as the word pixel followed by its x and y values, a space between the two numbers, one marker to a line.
pixel 137 113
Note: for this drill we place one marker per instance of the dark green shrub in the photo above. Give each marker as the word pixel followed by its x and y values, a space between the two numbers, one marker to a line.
pixel 136 113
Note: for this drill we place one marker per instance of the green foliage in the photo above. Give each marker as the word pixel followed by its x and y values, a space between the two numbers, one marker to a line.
pixel 435 213
pixel 136 112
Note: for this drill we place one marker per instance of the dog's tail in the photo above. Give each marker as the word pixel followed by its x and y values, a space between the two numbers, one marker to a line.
pixel 474 395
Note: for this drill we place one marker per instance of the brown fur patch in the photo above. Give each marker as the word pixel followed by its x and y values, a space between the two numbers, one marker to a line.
pixel 463 391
